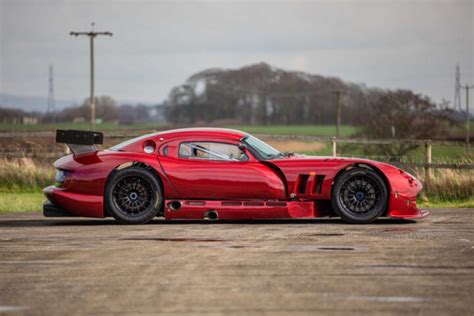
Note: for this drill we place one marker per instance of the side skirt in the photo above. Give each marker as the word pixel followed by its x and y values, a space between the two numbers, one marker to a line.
pixel 235 209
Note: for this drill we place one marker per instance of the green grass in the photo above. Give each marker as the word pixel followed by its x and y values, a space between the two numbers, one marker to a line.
pixel 439 203
pixel 440 153
pixel 307 130
pixel 444 153
pixel 21 201
pixel 24 176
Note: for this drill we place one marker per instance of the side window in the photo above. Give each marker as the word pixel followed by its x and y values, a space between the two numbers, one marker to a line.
pixel 211 151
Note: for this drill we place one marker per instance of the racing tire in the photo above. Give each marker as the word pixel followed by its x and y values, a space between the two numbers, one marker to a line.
pixel 359 196
pixel 133 196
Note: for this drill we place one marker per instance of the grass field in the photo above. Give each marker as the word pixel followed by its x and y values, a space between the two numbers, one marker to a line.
pixel 440 153
pixel 438 203
pixel 309 130
pixel 21 201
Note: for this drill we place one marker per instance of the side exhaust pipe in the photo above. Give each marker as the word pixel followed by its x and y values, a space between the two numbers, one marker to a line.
pixel 211 215
pixel 175 205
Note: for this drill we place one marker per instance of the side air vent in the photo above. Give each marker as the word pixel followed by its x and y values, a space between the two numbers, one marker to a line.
pixel 318 185
pixel 301 183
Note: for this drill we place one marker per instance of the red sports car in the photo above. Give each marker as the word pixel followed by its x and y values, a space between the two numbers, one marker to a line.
pixel 210 173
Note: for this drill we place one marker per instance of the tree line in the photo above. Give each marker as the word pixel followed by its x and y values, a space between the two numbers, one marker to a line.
pixel 107 110
pixel 261 94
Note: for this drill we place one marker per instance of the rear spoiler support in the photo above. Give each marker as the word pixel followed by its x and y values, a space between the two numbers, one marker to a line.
pixel 79 141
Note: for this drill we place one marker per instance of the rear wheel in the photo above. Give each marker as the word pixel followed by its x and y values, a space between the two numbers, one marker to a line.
pixel 133 196
pixel 359 196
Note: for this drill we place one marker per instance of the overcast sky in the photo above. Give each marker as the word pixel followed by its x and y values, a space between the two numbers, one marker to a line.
pixel 157 45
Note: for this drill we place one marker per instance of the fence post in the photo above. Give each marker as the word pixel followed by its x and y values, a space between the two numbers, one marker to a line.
pixel 427 159
pixel 334 146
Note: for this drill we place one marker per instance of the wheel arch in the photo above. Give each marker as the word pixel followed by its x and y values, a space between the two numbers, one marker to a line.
pixel 368 166
pixel 128 164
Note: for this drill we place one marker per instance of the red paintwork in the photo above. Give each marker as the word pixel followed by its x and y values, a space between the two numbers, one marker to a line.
pixel 221 180
pixel 274 186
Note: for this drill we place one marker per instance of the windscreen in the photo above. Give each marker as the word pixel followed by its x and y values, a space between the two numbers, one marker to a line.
pixel 264 150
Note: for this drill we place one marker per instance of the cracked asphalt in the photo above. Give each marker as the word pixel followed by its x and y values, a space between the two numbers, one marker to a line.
pixel 87 266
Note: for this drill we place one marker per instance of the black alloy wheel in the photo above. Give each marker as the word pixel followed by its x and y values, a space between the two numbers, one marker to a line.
pixel 133 196
pixel 360 196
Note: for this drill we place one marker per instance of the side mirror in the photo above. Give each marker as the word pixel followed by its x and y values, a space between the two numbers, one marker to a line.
pixel 242 146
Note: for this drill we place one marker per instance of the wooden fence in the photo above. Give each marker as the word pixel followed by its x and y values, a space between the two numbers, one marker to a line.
pixel 427 163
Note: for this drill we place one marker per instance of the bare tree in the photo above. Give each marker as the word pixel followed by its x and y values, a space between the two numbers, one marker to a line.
pixel 400 114
pixel 105 109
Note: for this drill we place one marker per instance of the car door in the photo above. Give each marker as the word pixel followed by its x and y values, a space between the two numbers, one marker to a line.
pixel 218 169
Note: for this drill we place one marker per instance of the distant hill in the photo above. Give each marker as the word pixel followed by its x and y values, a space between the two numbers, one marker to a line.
pixel 39 104
pixel 30 103
pixel 263 94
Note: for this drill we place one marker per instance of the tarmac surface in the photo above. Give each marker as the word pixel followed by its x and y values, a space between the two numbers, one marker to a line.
pixel 321 266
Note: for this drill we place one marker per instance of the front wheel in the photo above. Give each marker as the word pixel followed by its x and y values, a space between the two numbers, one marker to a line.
pixel 359 196
pixel 133 196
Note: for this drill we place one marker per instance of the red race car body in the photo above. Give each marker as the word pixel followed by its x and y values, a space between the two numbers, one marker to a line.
pixel 207 173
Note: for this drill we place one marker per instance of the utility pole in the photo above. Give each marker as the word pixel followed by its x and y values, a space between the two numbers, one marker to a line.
pixel 338 112
pixel 468 121
pixel 91 36
pixel 51 103
pixel 457 89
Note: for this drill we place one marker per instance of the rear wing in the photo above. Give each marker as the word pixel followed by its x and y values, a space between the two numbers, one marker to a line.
pixel 79 141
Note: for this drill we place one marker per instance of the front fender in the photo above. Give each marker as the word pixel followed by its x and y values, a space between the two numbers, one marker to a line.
pixel 404 189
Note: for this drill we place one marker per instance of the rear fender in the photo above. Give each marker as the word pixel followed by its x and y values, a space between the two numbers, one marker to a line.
pixel 146 161
pixel 91 171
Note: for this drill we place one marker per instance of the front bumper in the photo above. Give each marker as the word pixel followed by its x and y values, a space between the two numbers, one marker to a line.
pixel 403 206
pixel 402 201
pixel 412 214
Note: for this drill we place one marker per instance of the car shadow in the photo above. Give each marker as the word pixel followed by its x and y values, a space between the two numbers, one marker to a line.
pixel 110 221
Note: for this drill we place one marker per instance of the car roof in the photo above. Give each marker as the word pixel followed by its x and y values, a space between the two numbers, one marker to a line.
pixel 201 131
pixel 223 133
